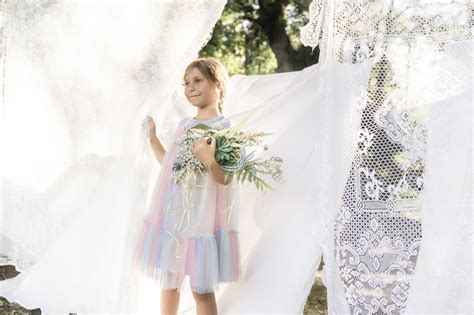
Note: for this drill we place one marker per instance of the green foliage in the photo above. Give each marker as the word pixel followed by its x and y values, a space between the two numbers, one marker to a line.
pixel 250 173
pixel 297 17
pixel 231 154
pixel 239 42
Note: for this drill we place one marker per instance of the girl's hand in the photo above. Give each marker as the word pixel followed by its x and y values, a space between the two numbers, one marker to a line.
pixel 204 152
pixel 151 126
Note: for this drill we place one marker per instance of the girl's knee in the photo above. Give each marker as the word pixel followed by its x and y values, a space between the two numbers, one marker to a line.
pixel 203 296
pixel 173 292
pixel 169 290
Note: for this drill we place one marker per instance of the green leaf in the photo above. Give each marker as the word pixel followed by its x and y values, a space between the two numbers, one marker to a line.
pixel 246 173
pixel 201 126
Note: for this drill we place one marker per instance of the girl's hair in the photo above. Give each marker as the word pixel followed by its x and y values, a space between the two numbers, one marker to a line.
pixel 214 71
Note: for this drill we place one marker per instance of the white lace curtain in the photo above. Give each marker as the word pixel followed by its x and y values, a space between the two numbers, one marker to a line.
pixel 399 225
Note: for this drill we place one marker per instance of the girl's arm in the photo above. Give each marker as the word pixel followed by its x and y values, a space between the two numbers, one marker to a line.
pixel 156 144
pixel 217 172
pixel 157 147
pixel 205 153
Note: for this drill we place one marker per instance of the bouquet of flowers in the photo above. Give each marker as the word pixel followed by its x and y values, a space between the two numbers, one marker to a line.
pixel 232 145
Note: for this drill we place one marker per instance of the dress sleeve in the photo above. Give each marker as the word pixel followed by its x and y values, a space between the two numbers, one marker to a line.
pixel 227 123
pixel 182 123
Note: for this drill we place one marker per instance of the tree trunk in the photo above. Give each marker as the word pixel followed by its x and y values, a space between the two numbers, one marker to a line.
pixel 272 21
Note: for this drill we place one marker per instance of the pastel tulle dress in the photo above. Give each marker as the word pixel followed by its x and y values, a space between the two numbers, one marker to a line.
pixel 200 243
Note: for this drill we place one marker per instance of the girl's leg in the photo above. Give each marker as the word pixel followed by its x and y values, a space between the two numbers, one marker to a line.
pixel 169 302
pixel 205 303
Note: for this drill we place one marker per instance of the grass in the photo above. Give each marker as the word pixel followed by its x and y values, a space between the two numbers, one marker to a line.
pixel 316 303
pixel 317 299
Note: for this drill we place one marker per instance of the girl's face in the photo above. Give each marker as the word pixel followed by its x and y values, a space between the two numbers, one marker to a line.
pixel 200 91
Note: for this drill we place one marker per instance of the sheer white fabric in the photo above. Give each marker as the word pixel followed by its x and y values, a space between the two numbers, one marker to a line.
pixel 309 112
pixel 443 280
pixel 79 78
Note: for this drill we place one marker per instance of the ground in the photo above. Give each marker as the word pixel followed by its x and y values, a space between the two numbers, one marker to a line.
pixel 316 303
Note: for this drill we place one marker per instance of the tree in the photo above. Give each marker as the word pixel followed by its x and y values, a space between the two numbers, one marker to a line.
pixel 261 36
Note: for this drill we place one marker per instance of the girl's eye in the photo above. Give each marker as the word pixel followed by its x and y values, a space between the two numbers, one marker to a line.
pixel 198 80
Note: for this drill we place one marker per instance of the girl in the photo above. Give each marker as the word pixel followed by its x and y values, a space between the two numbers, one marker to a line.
pixel 201 243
